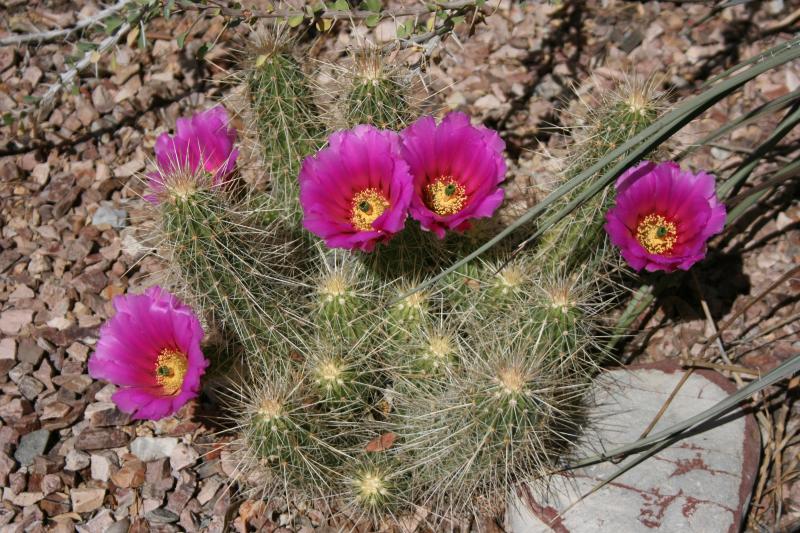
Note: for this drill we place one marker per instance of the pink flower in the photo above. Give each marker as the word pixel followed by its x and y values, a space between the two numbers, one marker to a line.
pixel 663 216
pixel 151 350
pixel 199 155
pixel 356 191
pixel 457 168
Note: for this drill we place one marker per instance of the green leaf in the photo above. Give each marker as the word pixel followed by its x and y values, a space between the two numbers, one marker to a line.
pixel 133 16
pixel 168 5
pixel 85 46
pixel 8 119
pixel 751 116
pixel 405 30
pixel 341 5
pixel 142 37
pixel 112 23
pixel 459 19
pixel 373 5
pixel 480 3
pixel 372 21
pixel 181 39
pixel 748 165
pixel 295 21
pixel 204 49
pixel 743 202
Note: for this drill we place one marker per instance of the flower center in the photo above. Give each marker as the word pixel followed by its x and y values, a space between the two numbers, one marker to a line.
pixel 371 488
pixel 657 234
pixel 170 370
pixel 367 206
pixel 445 196
pixel 512 380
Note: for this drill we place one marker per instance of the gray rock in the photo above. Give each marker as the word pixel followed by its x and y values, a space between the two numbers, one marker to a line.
pixel 102 466
pixel 161 516
pixel 99 524
pixel 120 526
pixel 152 448
pixel 30 352
pixel 700 483
pixel 76 460
pixel 107 215
pixel 183 456
pixel 31 445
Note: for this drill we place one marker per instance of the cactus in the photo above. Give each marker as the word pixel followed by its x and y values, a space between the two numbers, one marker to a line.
pixel 284 114
pixel 371 90
pixel 480 381
pixel 234 271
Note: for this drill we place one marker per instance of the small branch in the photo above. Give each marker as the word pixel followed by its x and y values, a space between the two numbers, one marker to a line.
pixel 57 34
pixel 733 369
pixel 786 275
pixel 333 13
pixel 67 77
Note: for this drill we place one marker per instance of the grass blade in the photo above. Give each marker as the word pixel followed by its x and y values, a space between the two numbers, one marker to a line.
pixel 638 146
pixel 785 370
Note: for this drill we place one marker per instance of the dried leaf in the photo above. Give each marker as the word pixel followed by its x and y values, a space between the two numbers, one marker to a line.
pixel 381 443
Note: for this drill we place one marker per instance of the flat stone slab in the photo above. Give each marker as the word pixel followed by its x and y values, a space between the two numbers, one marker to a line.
pixel 701 483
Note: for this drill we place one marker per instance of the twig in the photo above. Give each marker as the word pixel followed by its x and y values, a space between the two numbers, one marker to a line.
pixel 788 320
pixel 782 24
pixel 65 32
pixel 67 77
pixel 788 274
pixel 734 369
pixel 333 13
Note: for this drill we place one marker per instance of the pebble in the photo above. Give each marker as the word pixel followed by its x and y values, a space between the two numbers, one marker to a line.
pixel 102 466
pixel 101 439
pixel 161 516
pixel 183 456
pixel 30 352
pixel 87 500
pixel 103 414
pixel 31 445
pixel 76 460
pixel 99 524
pixel 107 215
pixel 8 354
pixel 152 448
pixel 131 475
pixel 13 320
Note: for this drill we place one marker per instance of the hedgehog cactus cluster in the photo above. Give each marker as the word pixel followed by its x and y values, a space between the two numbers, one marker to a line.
pixel 356 389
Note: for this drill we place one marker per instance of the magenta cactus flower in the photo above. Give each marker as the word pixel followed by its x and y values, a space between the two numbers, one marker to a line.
pixel 151 350
pixel 201 154
pixel 356 191
pixel 664 216
pixel 457 168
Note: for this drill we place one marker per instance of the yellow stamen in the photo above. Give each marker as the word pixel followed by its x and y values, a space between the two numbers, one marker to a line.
pixel 511 379
pixel 170 370
pixel 657 234
pixel 445 196
pixel 367 206
pixel 370 488
pixel 271 409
